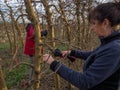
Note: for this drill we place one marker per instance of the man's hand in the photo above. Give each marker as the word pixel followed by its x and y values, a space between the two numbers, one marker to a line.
pixel 48 58
pixel 65 53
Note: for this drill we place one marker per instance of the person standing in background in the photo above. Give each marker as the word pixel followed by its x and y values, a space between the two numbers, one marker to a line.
pixel 30 45
pixel 29 48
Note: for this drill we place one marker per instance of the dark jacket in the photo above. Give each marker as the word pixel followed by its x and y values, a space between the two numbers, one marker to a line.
pixel 101 68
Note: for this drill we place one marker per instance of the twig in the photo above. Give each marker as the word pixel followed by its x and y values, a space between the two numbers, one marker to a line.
pixel 22 64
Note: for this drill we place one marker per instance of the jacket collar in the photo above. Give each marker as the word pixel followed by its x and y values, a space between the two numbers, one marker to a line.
pixel 114 36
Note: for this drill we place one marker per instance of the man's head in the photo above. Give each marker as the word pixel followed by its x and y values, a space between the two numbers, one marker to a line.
pixel 104 17
pixel 110 11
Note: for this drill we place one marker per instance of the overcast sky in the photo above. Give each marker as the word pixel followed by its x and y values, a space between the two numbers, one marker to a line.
pixel 15 4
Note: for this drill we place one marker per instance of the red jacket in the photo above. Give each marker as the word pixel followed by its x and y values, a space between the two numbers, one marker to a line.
pixel 29 48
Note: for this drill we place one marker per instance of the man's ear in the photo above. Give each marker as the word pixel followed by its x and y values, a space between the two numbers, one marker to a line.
pixel 106 22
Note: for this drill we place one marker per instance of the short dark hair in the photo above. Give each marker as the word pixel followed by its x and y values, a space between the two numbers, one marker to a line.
pixel 110 11
pixel 28 26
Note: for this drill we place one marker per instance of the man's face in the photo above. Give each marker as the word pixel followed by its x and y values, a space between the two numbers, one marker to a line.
pixel 101 29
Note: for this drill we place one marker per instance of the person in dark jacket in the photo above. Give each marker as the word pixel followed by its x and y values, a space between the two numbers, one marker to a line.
pixel 102 66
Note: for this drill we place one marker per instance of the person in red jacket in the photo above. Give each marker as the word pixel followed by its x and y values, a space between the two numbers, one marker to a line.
pixel 30 44
pixel 29 48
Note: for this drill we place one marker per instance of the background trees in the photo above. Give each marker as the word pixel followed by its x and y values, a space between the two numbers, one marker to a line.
pixel 67 25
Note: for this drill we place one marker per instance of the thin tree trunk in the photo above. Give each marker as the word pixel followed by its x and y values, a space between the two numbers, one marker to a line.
pixel 77 3
pixel 52 36
pixel 16 27
pixel 13 29
pixel 38 43
pixel 68 32
pixel 2 81
pixel 66 22
pixel 7 32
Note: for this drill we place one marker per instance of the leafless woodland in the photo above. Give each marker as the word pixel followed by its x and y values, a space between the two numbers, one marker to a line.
pixel 68 28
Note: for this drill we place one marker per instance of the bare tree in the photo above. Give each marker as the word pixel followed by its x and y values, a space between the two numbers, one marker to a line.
pixel 6 29
pixel 52 35
pixel 38 43
pixel 2 81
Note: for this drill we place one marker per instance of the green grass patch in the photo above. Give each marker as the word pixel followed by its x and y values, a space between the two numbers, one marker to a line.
pixel 62 47
pixel 16 75
pixel 4 46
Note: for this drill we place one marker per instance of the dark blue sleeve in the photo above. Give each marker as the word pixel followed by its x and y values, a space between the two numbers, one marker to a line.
pixel 80 54
pixel 105 64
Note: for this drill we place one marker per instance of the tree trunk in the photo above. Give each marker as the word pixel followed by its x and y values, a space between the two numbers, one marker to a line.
pixel 52 36
pixel 7 32
pixel 67 25
pixel 2 81
pixel 38 43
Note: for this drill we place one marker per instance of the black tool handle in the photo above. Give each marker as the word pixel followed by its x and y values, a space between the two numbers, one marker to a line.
pixel 58 53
